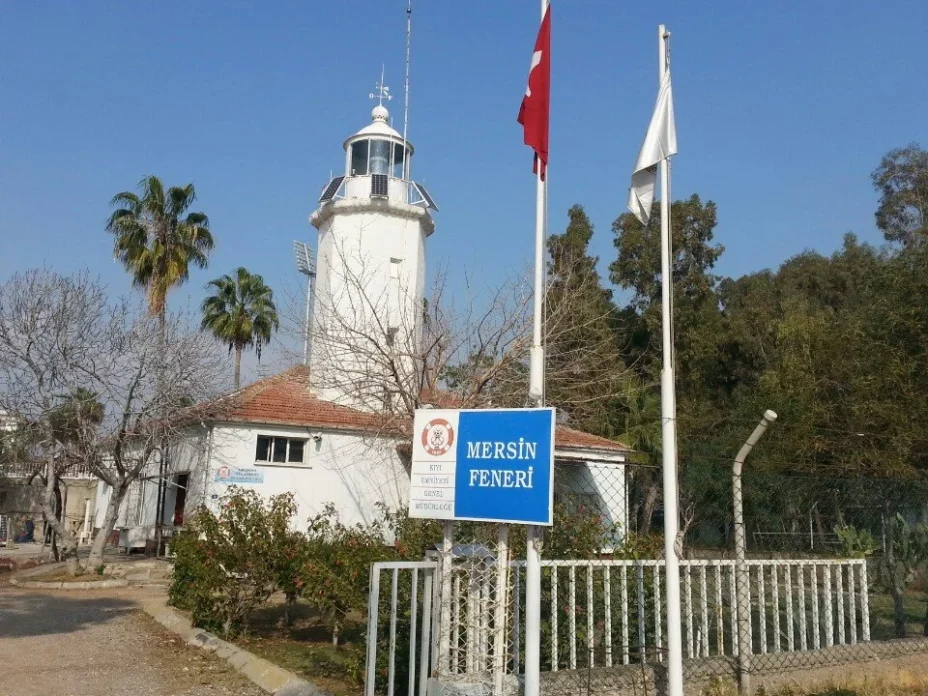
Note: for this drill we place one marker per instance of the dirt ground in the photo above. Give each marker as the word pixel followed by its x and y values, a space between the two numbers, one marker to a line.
pixel 99 643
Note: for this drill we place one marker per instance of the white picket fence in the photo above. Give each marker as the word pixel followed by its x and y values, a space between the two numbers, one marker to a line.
pixel 599 613
pixel 606 613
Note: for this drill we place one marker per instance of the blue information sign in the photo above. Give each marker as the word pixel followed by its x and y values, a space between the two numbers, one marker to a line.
pixel 483 465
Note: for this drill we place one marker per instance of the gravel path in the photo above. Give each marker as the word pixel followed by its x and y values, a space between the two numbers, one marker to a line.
pixel 99 643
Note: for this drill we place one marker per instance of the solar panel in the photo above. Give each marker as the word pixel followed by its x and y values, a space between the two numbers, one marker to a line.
pixel 331 189
pixel 425 196
pixel 380 185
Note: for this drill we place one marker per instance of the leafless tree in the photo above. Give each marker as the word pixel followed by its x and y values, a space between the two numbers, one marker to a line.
pixel 94 386
pixel 465 352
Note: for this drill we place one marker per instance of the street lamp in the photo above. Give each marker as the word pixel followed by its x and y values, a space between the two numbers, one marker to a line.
pixel 742 572
pixel 306 264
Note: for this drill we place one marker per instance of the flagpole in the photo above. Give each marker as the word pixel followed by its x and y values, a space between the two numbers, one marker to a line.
pixel 536 393
pixel 669 426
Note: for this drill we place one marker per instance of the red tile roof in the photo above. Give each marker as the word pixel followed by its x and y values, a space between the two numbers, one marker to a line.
pixel 286 399
pixel 569 437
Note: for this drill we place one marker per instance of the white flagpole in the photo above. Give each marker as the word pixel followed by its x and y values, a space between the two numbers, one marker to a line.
pixel 669 428
pixel 536 393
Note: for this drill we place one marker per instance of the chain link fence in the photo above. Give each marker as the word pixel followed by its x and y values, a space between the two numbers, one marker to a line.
pixel 833 578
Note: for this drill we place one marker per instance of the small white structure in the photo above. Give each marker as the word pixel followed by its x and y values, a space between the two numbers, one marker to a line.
pixel 275 436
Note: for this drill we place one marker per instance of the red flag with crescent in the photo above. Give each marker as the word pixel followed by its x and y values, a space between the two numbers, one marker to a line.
pixel 533 114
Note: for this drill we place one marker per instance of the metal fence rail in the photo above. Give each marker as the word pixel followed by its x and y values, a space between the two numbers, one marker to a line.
pixel 599 613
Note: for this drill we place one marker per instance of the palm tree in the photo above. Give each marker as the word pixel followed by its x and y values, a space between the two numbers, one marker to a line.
pixel 155 243
pixel 241 312
pixel 643 434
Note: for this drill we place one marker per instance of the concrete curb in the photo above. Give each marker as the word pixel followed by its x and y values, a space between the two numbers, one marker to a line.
pixel 43 569
pixel 77 585
pixel 268 676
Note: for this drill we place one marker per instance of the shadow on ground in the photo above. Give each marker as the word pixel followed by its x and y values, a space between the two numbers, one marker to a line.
pixel 44 613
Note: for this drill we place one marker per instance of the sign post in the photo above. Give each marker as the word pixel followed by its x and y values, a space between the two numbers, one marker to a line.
pixel 493 465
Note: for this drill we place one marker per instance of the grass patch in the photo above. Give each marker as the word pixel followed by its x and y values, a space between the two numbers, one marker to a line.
pixel 882 615
pixel 305 648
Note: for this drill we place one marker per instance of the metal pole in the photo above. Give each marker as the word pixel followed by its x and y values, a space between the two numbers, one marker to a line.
pixel 742 581
pixel 406 86
pixel 669 428
pixel 86 530
pixel 499 618
pixel 309 294
pixel 536 393
pixel 444 650
pixel 10 542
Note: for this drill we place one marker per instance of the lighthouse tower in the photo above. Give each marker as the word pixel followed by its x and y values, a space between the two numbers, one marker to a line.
pixel 373 223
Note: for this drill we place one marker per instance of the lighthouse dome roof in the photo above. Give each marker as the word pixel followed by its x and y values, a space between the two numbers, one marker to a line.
pixel 379 127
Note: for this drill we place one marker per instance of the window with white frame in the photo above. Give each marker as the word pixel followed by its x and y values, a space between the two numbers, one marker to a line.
pixel 280 450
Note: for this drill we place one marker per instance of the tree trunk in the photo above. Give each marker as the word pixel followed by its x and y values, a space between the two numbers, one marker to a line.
pixel 49 500
pixel 238 367
pixel 899 617
pixel 652 493
pixel 819 527
pixel 109 521
pixel 159 501
pixel 288 609
pixel 891 570
pixel 925 625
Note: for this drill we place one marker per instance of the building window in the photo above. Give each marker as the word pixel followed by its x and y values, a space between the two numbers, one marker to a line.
pixel 279 450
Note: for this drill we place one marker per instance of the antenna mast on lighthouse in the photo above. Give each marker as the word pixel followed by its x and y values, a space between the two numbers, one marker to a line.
pixel 406 86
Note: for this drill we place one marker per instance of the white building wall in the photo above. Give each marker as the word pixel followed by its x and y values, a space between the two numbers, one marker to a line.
pixel 603 487
pixel 138 509
pixel 352 472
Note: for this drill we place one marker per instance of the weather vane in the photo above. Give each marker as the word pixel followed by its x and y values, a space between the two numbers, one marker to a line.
pixel 382 91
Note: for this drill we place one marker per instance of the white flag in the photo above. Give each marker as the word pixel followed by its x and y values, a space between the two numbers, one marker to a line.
pixel 660 143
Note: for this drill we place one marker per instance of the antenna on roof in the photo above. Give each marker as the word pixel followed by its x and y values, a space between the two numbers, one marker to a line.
pixel 406 86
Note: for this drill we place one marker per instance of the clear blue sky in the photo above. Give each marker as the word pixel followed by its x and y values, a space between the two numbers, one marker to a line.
pixel 783 108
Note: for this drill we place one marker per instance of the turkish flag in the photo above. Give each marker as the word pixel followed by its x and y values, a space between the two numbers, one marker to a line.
pixel 533 114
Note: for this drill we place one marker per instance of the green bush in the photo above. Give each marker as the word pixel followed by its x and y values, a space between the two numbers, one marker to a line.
pixel 336 573
pixel 855 543
pixel 230 563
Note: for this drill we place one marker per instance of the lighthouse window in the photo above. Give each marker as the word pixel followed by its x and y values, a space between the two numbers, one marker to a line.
pixel 359 158
pixel 398 161
pixel 380 156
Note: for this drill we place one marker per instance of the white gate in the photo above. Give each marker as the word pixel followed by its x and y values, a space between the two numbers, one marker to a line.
pixel 402 597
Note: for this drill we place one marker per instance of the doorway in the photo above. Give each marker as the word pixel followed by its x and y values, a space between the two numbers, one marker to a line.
pixel 180 498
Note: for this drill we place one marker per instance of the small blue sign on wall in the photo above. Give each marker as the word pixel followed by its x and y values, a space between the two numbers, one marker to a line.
pixel 484 465
pixel 238 474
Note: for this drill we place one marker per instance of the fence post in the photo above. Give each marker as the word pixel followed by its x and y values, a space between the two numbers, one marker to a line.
pixel 742 580
pixel 444 628
pixel 373 609
pixel 501 609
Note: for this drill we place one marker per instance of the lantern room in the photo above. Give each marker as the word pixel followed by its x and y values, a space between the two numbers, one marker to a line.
pixel 377 165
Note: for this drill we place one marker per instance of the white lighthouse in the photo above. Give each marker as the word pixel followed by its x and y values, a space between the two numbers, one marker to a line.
pixel 373 223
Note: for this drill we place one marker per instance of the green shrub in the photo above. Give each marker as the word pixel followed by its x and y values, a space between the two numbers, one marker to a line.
pixel 336 574
pixel 855 543
pixel 229 563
